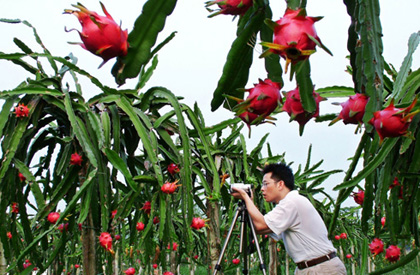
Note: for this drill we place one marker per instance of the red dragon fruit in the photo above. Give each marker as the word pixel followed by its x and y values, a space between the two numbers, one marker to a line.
pixel 113 213
pixel 383 220
pixel 156 220
pixel 343 236
pixel 21 177
pixel 101 35
pixel 198 223
pixel 53 217
pixel 147 207
pixel 391 121
pixel 15 208
pixel 76 159
pixel 393 253
pixel 236 261
pixel 295 37
pixel 263 99
pixel 376 246
pixel 169 187
pixel 232 7
pixel 140 226
pixel 167 273
pixel 130 271
pixel 353 109
pixel 248 118
pixel 21 110
pixel 105 240
pixel 9 235
pixel 359 197
pixel 293 106
pixel 394 183
pixel 173 169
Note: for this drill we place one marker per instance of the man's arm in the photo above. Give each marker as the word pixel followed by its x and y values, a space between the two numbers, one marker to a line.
pixel 255 214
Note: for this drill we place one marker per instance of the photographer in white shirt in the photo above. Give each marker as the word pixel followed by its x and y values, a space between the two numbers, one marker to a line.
pixel 295 220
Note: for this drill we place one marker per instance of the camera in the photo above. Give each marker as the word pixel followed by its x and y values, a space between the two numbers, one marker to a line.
pixel 243 186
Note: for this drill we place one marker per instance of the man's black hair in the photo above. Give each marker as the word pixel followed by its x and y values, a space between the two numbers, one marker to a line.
pixel 280 171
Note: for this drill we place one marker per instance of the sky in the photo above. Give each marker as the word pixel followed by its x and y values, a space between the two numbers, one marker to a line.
pixel 191 64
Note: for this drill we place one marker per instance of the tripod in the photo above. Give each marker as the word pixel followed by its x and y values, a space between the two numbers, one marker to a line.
pixel 246 220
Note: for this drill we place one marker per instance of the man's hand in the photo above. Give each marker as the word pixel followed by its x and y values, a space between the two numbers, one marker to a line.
pixel 240 193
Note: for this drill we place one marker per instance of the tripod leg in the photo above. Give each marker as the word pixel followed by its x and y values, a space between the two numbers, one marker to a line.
pixel 232 225
pixel 243 243
pixel 254 234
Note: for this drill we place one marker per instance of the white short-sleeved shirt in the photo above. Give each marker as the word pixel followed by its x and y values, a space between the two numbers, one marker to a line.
pixel 296 221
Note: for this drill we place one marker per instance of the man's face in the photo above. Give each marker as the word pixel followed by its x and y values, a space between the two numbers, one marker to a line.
pixel 270 188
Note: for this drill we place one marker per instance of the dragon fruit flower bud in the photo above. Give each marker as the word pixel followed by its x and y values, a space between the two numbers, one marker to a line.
pixel 100 35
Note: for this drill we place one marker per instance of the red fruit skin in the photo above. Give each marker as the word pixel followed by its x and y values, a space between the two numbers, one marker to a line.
pixel 248 117
pixel 21 110
pixel 76 266
pixel 349 256
pixel 393 253
pixel 394 183
pixel 167 273
pixel 155 266
pixel 156 220
pixel 9 235
pixel 117 237
pixel 76 159
pixel 140 226
pixel 354 109
pixel 359 197
pixel 376 246
pixel 390 122
pixel 101 35
pixel 293 106
pixel 21 177
pixel 232 7
pixel 196 257
pixel 383 220
pixel 337 237
pixel 113 213
pixel 63 227
pixel 173 169
pixel 291 33
pixel 105 240
pixel 15 208
pixel 343 236
pixel 147 207
pixel 130 271
pixel 264 97
pixel 169 187
pixel 236 261
pixel 198 223
pixel 53 217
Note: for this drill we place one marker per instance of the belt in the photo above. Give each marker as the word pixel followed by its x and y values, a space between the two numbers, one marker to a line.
pixel 306 264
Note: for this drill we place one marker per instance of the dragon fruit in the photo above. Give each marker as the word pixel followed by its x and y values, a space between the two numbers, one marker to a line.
pixel 169 187
pixel 376 246
pixel 353 109
pixel 359 197
pixel 295 37
pixel 263 99
pixel 130 271
pixel 232 7
pixel 105 240
pixel 173 169
pixel 147 207
pixel 76 159
pixel 101 35
pixel 198 223
pixel 293 106
pixel 140 226
pixel 393 253
pixel 53 217
pixel 391 121
pixel 21 110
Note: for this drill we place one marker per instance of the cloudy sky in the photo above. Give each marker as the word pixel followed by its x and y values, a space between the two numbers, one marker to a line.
pixel 192 63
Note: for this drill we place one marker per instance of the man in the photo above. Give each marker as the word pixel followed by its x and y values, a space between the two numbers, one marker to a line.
pixel 295 220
